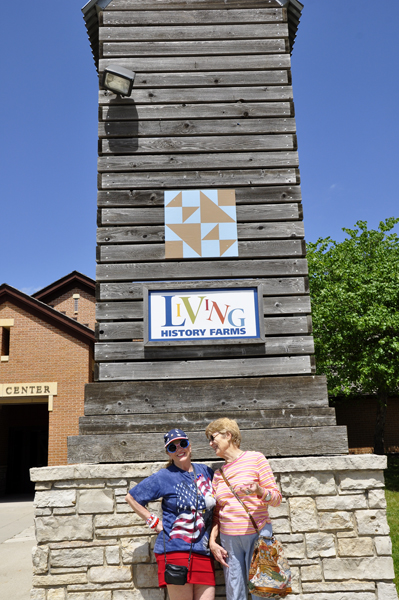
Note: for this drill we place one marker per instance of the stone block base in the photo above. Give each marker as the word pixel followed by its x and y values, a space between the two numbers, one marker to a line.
pixel 332 523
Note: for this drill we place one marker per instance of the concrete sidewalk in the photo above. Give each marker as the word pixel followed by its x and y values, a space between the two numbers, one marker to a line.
pixel 17 538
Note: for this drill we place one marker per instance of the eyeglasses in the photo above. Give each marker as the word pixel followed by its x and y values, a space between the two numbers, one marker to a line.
pixel 212 437
pixel 172 447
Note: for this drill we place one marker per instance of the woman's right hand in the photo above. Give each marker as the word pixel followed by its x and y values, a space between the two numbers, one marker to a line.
pixel 159 527
pixel 219 553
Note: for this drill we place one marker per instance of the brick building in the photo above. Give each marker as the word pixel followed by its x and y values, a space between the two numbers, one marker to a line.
pixel 46 349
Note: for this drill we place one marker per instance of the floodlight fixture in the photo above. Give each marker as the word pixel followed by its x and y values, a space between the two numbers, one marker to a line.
pixel 118 80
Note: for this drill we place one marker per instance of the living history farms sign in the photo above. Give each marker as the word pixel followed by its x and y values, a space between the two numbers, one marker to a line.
pixel 207 314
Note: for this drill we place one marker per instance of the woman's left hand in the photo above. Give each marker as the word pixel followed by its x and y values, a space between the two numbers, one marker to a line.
pixel 249 489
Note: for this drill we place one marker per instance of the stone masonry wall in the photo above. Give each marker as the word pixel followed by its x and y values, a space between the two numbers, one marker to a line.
pixel 332 523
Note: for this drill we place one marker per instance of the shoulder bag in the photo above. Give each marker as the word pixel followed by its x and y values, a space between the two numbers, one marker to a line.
pixel 177 574
pixel 269 572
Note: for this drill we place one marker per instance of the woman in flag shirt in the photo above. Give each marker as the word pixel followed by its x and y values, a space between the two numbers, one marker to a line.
pixel 187 504
pixel 252 479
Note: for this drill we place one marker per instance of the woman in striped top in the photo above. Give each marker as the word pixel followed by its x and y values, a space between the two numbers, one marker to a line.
pixel 251 477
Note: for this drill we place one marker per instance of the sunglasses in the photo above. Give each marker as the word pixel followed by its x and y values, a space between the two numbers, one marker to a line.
pixel 172 447
pixel 211 438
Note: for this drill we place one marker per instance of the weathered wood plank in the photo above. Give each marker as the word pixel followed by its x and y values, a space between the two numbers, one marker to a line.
pixel 211 79
pixel 246 195
pixel 150 234
pixel 197 48
pixel 205 369
pixel 214 269
pixel 286 325
pixel 286 305
pixel 221 143
pixel 242 160
pixel 120 5
pixel 226 395
pixel 197 421
pixel 190 127
pixel 199 179
pixel 253 62
pixel 221 110
pixel 119 331
pixel 245 213
pixel 193 17
pixel 270 287
pixel 276 346
pixel 213 94
pixel 156 252
pixel 302 441
pixel 216 31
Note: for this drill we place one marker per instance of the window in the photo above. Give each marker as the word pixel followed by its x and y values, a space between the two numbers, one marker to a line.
pixel 76 302
pixel 5 335
pixel 5 342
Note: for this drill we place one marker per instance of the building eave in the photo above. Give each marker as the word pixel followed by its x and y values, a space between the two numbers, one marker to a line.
pixel 64 284
pixel 46 313
pixel 92 9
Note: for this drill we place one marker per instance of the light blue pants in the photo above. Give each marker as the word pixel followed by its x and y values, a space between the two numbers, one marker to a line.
pixel 240 549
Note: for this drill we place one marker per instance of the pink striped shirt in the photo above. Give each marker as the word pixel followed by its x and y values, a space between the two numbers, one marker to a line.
pixel 228 513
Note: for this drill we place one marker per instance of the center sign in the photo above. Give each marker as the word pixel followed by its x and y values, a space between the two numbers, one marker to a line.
pixel 187 315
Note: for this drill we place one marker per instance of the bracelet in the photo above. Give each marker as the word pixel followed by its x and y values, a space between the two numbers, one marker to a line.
pixel 152 521
pixel 266 495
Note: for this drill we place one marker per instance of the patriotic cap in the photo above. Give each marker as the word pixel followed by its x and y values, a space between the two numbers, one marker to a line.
pixel 174 434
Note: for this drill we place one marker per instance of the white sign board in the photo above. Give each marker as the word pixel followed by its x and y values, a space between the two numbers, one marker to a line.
pixel 194 315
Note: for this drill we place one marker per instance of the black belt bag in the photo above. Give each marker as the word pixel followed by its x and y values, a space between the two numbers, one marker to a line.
pixel 177 574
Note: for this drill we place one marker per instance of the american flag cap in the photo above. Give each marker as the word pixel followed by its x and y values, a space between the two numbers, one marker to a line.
pixel 174 434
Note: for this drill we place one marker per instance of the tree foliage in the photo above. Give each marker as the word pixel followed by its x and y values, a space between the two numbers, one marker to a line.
pixel 354 287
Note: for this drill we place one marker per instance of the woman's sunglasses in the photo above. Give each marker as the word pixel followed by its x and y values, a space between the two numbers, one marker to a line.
pixel 172 447
pixel 211 438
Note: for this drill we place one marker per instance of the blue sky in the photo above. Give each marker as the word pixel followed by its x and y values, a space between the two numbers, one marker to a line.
pixel 345 79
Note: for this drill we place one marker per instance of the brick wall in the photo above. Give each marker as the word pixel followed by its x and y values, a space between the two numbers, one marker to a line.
pixel 86 306
pixel 40 352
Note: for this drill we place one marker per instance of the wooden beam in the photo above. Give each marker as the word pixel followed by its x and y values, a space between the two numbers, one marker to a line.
pixel 270 287
pixel 197 421
pixel 274 346
pixel 227 395
pixel 190 127
pixel 196 144
pixel 244 195
pixel 156 252
pixel 204 369
pixel 217 111
pixel 192 17
pixel 150 234
pixel 199 179
pixel 215 31
pixel 302 441
pixel 218 269
pixel 252 62
pixel 156 216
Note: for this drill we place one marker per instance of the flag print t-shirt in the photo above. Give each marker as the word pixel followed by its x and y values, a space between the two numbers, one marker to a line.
pixel 180 520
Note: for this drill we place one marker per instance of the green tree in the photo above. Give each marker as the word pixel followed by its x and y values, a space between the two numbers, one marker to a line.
pixel 354 288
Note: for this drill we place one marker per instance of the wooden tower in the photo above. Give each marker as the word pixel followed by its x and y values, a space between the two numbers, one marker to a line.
pixel 208 129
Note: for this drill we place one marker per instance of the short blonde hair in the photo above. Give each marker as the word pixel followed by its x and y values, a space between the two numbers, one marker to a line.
pixel 225 425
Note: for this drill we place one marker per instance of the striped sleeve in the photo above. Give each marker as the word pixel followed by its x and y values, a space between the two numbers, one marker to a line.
pixel 267 481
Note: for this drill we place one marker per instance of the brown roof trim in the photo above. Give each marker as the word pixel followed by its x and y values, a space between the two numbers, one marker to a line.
pixel 45 312
pixel 63 285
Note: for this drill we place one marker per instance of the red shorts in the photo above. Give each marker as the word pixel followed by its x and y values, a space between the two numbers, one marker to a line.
pixel 202 570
